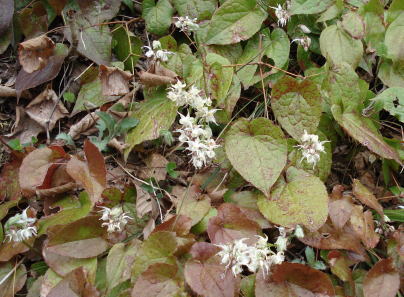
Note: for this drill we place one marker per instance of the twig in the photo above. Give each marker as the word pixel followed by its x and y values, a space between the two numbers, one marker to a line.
pixel 10 92
pixel 269 65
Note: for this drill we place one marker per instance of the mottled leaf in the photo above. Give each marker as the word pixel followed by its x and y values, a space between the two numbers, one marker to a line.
pixel 392 100
pixel 309 6
pixel 394 39
pixel 127 47
pixel 157 15
pixel 354 25
pixel 257 150
pixel 199 9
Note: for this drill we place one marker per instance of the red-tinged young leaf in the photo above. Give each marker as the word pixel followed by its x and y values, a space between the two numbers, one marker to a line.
pixel 231 224
pixel 26 80
pixel 179 224
pixel 95 162
pixel 158 248
pixel 10 249
pixel 206 276
pixel 76 283
pixel 340 211
pixel 366 197
pixel 80 239
pixel 63 265
pixel 382 280
pixel 303 276
pixel 34 53
pixel 9 186
pixel 158 281
pixel 14 283
pixel 6 14
pixel 33 19
pixel 330 238
pixel 37 169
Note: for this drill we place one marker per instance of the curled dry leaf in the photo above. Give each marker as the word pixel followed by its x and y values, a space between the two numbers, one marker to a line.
pixel 155 167
pixel 83 126
pixel 366 197
pixel 206 276
pixel 24 127
pixel 114 81
pixel 157 75
pixel 231 224
pixel 91 174
pixel 34 53
pixel 41 109
pixel 362 224
pixel 38 167
pixel 144 203
pixel 382 280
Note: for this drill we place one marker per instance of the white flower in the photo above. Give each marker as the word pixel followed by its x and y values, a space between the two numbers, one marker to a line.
pixel 254 257
pixel 311 148
pixel 207 114
pixel 281 243
pixel 299 232
pixel 304 41
pixel 187 120
pixel 386 219
pixel 304 29
pixel 177 94
pixel 186 24
pixel 115 219
pixel 282 15
pixel 157 52
pixel 19 227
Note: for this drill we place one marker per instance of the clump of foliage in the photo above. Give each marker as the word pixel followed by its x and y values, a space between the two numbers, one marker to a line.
pixel 202 148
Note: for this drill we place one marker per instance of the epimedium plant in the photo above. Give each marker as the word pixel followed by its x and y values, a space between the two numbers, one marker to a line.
pixel 256 95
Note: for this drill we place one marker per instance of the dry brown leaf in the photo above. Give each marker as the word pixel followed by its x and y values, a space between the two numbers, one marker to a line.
pixel 114 81
pixel 6 91
pixel 56 190
pixel 144 202
pixel 34 53
pixel 366 197
pixel 156 167
pixel 40 109
pixel 157 75
pixel 118 145
pixel 83 126
pixel 362 224
pixel 340 211
pixel 24 127
pixel 382 280
pixel 148 229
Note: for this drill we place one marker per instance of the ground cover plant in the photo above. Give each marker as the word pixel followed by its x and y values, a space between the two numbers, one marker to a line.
pixel 201 148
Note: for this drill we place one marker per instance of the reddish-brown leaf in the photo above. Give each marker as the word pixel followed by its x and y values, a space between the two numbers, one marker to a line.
pixel 6 15
pixel 9 249
pixel 206 276
pixel 231 224
pixel 57 5
pixel 179 224
pixel 76 283
pixel 9 185
pixel 37 169
pixel 303 276
pixel 95 162
pixel 340 211
pixel 366 197
pixel 157 281
pixel 382 280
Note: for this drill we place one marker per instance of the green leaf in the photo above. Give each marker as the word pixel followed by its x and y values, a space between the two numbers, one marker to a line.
pixel 69 97
pixel 157 15
pixel 391 74
pixel 126 124
pixel 363 130
pixel 394 40
pixel 159 247
pixel 391 100
pixel 296 105
pixel 337 46
pixel 128 47
pixel 72 210
pixel 395 215
pixel 302 201
pixel 234 21
pixel 257 150
pixel 395 10
pixel 200 9
pixel 354 25
pixel 279 47
pixel 309 6
pixel 154 114
pixel 220 77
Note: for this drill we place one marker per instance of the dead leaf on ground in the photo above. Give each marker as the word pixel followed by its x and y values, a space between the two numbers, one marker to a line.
pixel 91 174
pixel 84 126
pixel 24 127
pixel 362 224
pixel 157 75
pixel 12 284
pixel 382 280
pixel 366 197
pixel 114 81
pixel 6 15
pixel 34 53
pixel 156 167
pixel 144 202
pixel 40 109
pixel 340 211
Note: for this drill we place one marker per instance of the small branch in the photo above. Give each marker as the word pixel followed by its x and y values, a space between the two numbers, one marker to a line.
pixel 269 65
pixel 10 92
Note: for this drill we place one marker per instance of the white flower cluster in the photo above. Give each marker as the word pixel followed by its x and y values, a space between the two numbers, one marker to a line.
pixel 186 24
pixel 195 131
pixel 115 219
pixel 304 41
pixel 19 227
pixel 282 14
pixel 311 148
pixel 157 51
pixel 255 257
